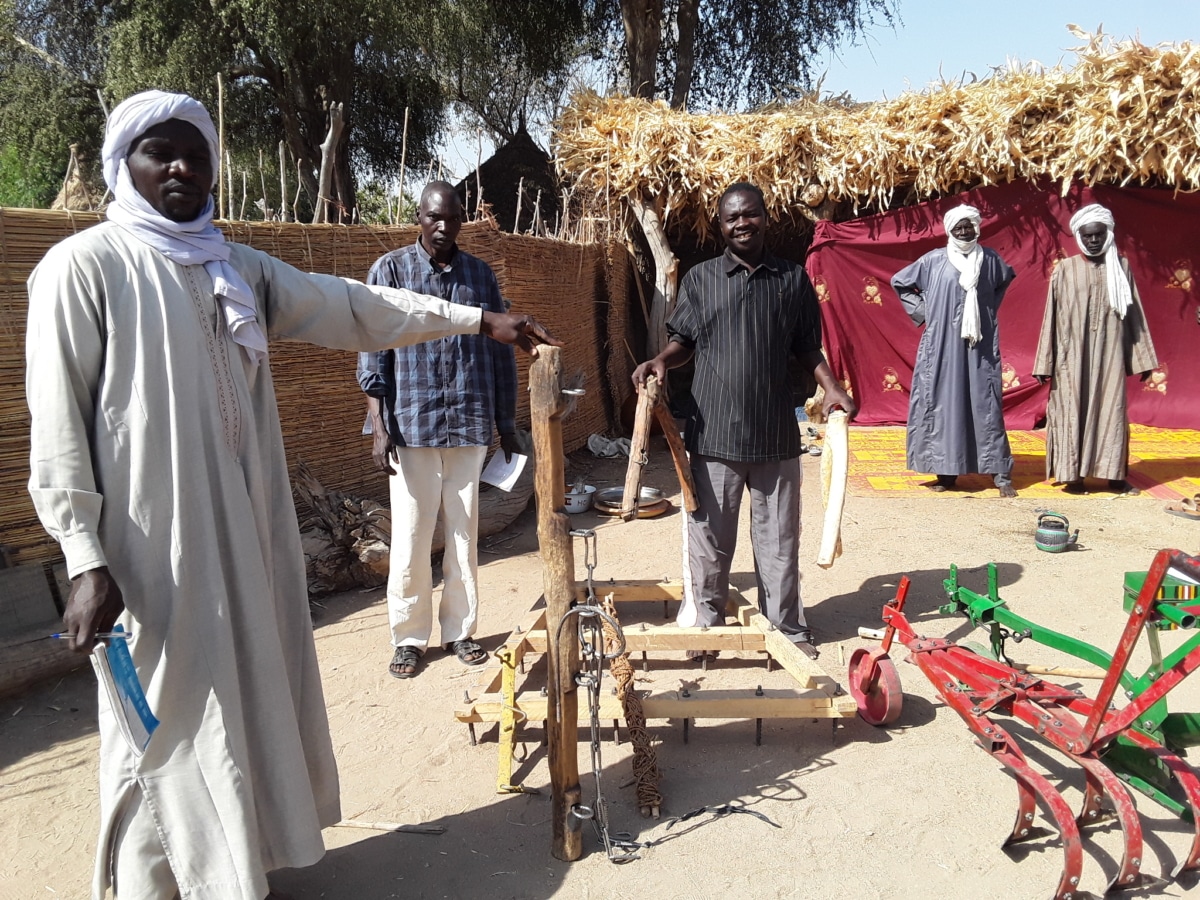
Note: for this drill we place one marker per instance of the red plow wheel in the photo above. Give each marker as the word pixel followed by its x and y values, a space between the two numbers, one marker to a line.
pixel 875 686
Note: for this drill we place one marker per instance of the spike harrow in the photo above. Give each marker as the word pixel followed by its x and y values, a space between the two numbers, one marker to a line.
pixel 1137 746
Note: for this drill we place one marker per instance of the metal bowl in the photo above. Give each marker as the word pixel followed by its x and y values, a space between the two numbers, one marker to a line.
pixel 651 502
pixel 579 501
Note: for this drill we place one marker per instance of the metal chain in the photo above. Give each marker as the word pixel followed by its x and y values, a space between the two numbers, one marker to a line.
pixel 620 848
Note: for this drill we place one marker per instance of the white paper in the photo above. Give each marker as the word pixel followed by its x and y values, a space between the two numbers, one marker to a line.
pixel 1182 576
pixel 126 699
pixel 503 474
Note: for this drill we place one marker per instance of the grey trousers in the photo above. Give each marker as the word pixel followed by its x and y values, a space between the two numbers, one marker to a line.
pixel 710 539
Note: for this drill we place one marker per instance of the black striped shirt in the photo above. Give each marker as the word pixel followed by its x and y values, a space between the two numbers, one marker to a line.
pixel 744 326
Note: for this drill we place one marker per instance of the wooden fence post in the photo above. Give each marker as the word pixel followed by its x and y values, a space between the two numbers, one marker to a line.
pixel 558 580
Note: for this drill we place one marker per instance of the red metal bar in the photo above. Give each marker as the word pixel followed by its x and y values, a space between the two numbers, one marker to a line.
pixel 1191 788
pixel 997 742
pixel 897 606
pixel 1129 637
pixel 1131 826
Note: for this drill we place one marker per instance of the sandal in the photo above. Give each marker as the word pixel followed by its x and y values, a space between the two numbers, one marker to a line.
pixel 1122 487
pixel 1186 509
pixel 405 662
pixel 468 652
pixel 806 643
pixel 942 483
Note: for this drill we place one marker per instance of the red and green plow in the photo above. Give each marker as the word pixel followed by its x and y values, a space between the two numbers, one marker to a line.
pixel 1125 737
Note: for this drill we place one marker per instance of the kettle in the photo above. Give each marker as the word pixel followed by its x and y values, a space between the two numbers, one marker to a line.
pixel 1054 533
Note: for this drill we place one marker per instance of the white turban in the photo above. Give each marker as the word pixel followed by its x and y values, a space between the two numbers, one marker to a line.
pixel 967 258
pixel 193 243
pixel 1119 294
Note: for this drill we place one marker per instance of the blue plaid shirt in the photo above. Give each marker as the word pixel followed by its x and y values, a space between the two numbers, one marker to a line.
pixel 446 392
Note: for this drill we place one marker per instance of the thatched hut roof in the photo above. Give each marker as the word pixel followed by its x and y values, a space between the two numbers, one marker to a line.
pixel 1124 113
pixel 75 193
pixel 520 165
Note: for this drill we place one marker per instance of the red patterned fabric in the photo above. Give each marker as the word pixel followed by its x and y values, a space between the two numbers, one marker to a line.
pixel 871 341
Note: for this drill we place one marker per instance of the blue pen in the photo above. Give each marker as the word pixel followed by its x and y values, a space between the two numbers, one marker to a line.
pixel 102 636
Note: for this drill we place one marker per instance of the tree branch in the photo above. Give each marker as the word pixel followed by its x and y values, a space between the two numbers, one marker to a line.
pixel 53 60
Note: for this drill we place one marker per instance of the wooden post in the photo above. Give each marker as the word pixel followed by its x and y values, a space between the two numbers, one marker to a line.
pixel 283 192
pixel 558 579
pixel 220 147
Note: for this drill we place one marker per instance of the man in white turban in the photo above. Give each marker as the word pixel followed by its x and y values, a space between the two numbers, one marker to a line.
pixel 1093 335
pixel 955 419
pixel 158 464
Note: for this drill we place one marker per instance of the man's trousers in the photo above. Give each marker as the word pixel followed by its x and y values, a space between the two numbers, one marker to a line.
pixel 426 479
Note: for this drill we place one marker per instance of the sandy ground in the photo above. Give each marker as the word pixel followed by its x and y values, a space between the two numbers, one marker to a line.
pixel 913 810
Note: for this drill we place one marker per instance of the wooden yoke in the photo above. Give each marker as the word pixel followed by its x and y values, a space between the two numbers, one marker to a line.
pixel 649 407
pixel 558 580
pixel 638 447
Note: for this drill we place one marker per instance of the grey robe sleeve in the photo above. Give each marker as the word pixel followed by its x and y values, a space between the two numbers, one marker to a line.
pixel 909 284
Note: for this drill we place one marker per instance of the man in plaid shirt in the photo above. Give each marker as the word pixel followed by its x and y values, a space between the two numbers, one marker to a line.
pixel 432 407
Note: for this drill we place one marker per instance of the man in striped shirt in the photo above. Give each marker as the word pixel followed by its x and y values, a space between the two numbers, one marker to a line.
pixel 432 408
pixel 742 316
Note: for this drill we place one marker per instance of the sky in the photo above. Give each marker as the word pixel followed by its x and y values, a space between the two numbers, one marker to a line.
pixel 940 38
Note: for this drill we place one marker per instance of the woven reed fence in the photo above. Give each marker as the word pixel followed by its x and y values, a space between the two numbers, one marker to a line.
pixel 580 291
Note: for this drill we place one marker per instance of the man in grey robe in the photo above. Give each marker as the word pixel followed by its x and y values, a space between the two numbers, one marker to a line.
pixel 955 417
pixel 158 464
pixel 1094 334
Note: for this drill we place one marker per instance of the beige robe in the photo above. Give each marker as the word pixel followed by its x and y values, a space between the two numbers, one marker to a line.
pixel 1088 351
pixel 157 451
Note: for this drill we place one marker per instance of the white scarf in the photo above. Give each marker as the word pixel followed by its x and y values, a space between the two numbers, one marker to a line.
pixel 967 258
pixel 197 242
pixel 1119 294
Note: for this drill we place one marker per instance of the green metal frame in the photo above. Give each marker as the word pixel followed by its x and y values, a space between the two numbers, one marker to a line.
pixel 1177 731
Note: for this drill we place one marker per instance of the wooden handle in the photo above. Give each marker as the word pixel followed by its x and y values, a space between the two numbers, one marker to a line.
pixel 647 400
pixel 834 471
pixel 678 456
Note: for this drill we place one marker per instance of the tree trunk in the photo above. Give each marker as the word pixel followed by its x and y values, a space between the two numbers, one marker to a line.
pixel 666 274
pixel 303 103
pixel 643 36
pixel 685 51
pixel 329 149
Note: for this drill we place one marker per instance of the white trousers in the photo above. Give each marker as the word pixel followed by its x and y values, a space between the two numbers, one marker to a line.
pixel 426 479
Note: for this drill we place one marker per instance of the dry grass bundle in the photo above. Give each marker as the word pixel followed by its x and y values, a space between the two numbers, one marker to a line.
pixel 321 407
pixel 1125 113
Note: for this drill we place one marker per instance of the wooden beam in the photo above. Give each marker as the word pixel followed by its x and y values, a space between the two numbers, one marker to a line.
pixel 488 681
pixel 637 591
pixel 675 637
pixel 559 588
pixel 781 703
pixel 790 658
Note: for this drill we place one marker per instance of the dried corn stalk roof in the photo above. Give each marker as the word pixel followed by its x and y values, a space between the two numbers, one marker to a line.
pixel 1125 113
